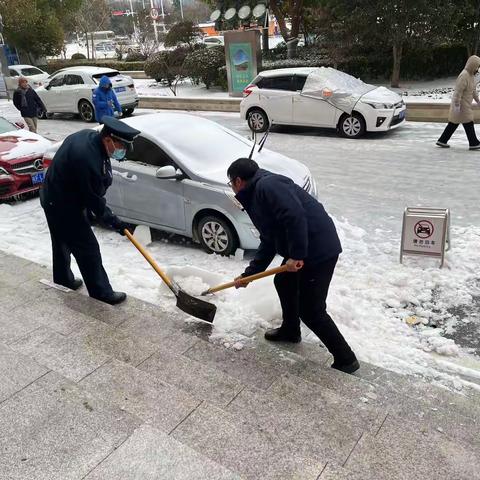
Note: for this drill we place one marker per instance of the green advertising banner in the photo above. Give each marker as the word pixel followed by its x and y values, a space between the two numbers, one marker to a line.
pixel 241 65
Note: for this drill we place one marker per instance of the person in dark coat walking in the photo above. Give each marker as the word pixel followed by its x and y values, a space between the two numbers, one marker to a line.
pixel 294 225
pixel 105 100
pixel 27 101
pixel 74 189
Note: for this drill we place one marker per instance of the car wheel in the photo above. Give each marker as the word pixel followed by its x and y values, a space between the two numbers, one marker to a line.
pixel 127 112
pixel 258 120
pixel 41 114
pixel 217 235
pixel 85 109
pixel 352 126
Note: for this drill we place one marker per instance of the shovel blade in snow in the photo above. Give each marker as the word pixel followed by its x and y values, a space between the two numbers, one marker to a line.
pixel 196 307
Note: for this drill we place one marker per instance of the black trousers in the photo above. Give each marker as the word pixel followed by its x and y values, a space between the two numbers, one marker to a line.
pixel 72 234
pixel 469 130
pixel 303 295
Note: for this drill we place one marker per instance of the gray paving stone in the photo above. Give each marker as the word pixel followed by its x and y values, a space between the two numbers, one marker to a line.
pixel 10 268
pixel 16 372
pixel 334 472
pixel 57 317
pixel 402 452
pixel 140 394
pixel 61 354
pixel 52 430
pixel 250 452
pixel 241 365
pixel 150 454
pixel 114 342
pixel 16 325
pixel 318 423
pixel 159 331
pixel 199 380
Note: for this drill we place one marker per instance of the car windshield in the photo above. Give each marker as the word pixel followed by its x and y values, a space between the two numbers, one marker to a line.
pixel 6 126
pixel 111 74
pixel 31 71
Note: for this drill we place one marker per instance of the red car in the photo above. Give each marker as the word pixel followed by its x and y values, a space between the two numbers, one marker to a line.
pixel 21 160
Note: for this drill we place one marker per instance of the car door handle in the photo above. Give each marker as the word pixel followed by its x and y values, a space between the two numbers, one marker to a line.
pixel 125 175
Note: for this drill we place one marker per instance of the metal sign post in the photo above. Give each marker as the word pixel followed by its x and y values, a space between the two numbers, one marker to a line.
pixel 425 231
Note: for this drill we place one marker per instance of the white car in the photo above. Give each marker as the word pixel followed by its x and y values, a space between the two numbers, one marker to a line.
pixel 175 179
pixel 213 41
pixel 320 97
pixel 70 91
pixel 34 75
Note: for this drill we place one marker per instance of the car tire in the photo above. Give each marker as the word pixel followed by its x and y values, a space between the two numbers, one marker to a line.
pixel 128 112
pixel 257 120
pixel 216 235
pixel 41 114
pixel 86 111
pixel 352 126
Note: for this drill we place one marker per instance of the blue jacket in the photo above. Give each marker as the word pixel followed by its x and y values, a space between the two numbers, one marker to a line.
pixel 104 99
pixel 291 222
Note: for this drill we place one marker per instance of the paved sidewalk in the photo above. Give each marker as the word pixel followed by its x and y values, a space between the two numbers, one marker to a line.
pixel 90 391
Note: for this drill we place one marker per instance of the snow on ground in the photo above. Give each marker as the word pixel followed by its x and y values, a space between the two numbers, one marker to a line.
pixel 435 91
pixel 365 185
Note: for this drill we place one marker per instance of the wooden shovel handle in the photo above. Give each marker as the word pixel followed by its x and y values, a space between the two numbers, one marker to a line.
pixel 149 259
pixel 251 278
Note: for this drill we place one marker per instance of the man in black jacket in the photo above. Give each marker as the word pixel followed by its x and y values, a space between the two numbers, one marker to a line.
pixel 29 103
pixel 296 226
pixel 74 188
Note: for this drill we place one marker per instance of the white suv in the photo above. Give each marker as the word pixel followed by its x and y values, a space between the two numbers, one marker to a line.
pixel 70 91
pixel 320 97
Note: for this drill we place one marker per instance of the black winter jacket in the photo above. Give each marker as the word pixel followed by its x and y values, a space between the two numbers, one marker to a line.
pixel 291 222
pixel 34 103
pixel 79 177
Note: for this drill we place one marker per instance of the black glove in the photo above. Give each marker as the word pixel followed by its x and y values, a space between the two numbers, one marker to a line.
pixel 120 226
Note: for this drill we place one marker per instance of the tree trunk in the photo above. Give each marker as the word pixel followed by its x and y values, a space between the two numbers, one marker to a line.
pixel 397 61
pixel 88 45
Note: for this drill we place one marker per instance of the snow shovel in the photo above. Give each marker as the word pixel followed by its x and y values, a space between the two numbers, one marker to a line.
pixel 246 280
pixel 191 305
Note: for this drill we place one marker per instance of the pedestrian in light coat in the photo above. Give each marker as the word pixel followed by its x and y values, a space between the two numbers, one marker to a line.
pixel 104 100
pixel 29 104
pixel 295 225
pixel 461 110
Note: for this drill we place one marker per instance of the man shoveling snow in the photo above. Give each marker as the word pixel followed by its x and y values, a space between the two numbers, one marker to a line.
pixel 297 227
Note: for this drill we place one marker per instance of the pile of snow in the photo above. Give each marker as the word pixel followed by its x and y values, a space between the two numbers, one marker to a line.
pixel 371 296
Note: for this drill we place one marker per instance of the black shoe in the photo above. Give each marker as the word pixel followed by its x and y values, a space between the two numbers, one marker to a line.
pixel 475 147
pixel 443 145
pixel 114 299
pixel 278 335
pixel 75 285
pixel 346 367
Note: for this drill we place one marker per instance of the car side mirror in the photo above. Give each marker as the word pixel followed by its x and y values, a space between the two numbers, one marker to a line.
pixel 169 173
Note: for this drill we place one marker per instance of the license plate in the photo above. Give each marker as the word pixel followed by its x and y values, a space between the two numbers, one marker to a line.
pixel 120 89
pixel 401 115
pixel 38 178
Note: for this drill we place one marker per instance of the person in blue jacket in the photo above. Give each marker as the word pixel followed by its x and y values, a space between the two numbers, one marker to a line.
pixel 294 225
pixel 104 100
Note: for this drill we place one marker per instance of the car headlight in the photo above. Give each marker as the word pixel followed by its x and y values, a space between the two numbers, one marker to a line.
pixel 379 105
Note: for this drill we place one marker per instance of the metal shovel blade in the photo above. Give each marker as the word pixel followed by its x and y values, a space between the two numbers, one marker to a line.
pixel 196 307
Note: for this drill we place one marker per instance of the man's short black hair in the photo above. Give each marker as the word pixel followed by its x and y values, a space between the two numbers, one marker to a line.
pixel 244 168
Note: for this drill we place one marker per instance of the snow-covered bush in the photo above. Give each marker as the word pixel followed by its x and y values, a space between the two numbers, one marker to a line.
pixel 203 65
pixel 167 65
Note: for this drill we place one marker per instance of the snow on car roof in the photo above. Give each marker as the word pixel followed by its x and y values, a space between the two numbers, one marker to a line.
pixel 206 148
pixel 89 70
pixel 288 71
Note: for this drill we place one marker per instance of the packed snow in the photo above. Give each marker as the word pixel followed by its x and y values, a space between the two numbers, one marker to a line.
pixel 401 317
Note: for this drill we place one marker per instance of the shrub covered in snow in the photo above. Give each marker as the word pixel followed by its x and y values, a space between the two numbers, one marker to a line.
pixel 78 56
pixel 167 65
pixel 203 65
